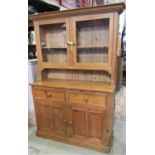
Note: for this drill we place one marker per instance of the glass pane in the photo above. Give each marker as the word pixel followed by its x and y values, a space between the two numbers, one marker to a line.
pixel 92 41
pixel 53 43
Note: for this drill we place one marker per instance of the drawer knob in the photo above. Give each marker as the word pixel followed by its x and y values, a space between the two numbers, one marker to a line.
pixel 86 99
pixel 49 95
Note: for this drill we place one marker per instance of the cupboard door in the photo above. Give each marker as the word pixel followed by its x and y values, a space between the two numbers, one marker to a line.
pixel 43 116
pixel 58 118
pixel 92 40
pixel 77 121
pixel 87 124
pixel 96 125
pixel 52 42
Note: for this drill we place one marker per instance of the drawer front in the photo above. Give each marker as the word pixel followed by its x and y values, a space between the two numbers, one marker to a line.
pixel 49 94
pixel 90 98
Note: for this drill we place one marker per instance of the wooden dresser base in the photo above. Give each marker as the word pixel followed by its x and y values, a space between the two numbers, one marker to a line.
pixel 97 147
pixel 82 118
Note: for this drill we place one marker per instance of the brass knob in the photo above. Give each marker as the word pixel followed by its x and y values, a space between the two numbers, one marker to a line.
pixel 71 43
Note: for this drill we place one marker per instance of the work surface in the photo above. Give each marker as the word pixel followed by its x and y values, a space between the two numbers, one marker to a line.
pixel 78 85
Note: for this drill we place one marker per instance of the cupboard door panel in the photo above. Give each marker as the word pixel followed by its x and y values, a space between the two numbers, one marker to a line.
pixel 96 125
pixel 87 124
pixel 58 118
pixel 77 121
pixel 43 116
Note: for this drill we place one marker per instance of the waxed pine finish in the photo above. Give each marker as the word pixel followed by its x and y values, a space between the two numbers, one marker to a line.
pixel 77 54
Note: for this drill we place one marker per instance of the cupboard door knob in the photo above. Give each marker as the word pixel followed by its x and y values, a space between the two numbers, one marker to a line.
pixel 86 99
pixel 70 122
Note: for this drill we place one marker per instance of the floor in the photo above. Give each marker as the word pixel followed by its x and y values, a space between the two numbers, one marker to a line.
pixel 42 146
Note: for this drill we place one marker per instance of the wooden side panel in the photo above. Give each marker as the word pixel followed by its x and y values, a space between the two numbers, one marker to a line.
pixel 110 118
pixel 115 48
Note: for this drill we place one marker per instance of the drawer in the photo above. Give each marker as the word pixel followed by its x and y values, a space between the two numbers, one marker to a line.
pixel 49 94
pixel 90 98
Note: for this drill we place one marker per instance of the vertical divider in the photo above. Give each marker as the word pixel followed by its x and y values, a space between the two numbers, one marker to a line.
pixel 114 48
pixel 67 39
pixel 72 37
pixel 38 49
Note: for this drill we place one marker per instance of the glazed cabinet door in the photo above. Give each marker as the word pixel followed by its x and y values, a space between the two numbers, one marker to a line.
pixel 91 41
pixel 51 40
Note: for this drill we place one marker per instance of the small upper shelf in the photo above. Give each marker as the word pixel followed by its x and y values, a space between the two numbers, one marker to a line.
pixel 47 48
pixel 104 46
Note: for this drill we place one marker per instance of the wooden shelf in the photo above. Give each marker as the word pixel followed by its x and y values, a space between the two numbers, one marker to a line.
pixel 46 48
pixel 80 47
pixel 49 65
pixel 80 85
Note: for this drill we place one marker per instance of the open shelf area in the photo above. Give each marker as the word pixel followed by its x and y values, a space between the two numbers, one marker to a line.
pixel 81 75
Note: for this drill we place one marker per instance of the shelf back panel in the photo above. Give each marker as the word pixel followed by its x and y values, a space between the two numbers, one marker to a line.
pixel 53 35
pixel 92 41
pixel 81 75
pixel 93 32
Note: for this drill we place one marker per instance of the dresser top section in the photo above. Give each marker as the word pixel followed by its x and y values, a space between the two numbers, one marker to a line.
pixel 116 7
pixel 77 85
